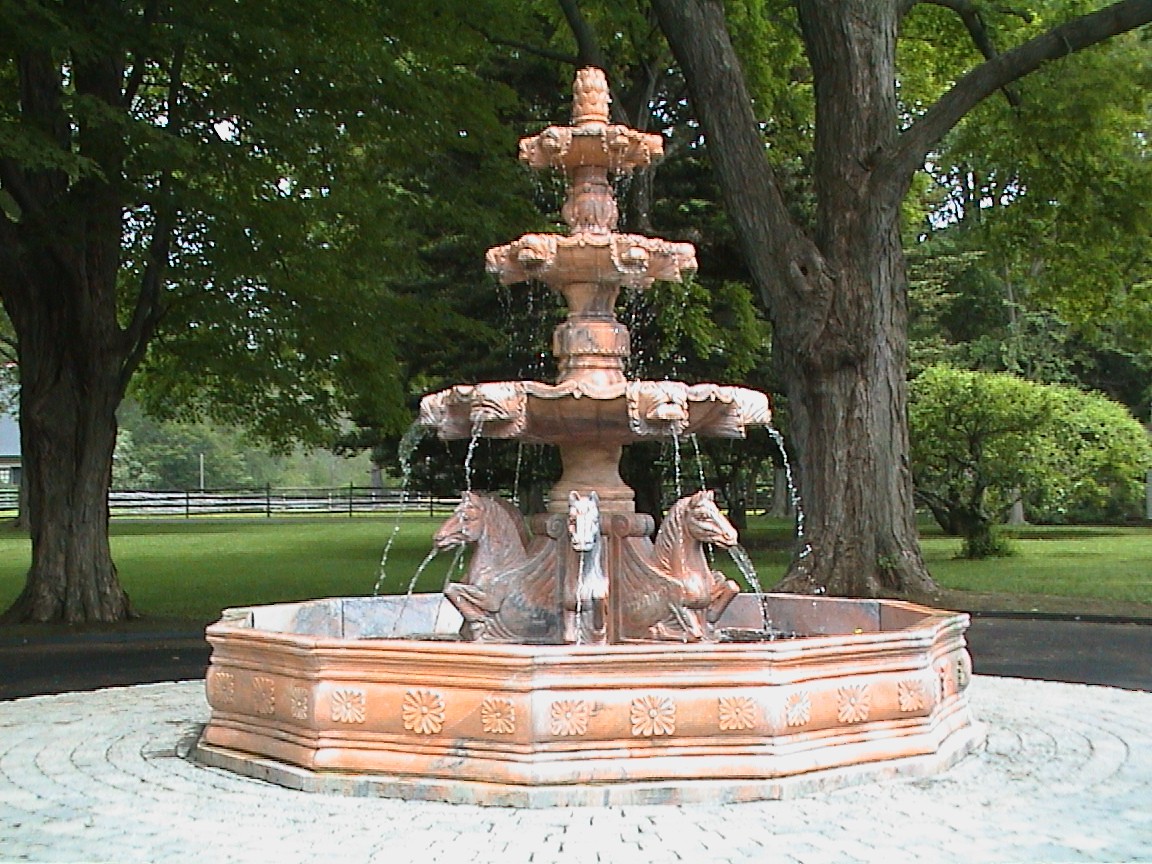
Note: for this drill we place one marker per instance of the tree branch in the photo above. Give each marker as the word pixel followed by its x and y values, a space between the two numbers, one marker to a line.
pixel 969 13
pixel 587 44
pixel 140 58
pixel 698 35
pixel 534 50
pixel 913 146
pixel 149 309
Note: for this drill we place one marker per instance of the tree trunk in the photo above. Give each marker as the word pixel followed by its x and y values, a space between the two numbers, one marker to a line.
pixel 854 479
pixel 836 297
pixel 781 494
pixel 59 275
pixel 69 391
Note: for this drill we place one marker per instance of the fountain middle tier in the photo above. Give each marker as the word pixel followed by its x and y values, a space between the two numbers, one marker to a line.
pixel 612 413
pixel 590 256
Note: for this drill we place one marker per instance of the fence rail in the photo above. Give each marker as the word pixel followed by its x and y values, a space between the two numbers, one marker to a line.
pixel 268 501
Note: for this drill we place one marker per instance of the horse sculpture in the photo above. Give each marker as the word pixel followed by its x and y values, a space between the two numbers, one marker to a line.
pixel 587 599
pixel 509 591
pixel 669 590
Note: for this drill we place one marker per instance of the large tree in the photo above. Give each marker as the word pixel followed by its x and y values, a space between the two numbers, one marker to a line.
pixel 183 176
pixel 836 288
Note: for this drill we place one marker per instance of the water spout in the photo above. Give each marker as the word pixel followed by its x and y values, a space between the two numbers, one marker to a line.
pixel 748 570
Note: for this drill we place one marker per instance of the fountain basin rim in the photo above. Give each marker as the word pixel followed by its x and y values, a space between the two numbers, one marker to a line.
pixel 926 626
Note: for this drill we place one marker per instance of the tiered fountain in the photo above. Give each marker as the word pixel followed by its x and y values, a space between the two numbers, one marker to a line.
pixel 581 660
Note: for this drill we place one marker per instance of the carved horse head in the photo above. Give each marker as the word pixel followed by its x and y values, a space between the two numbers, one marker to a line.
pixel 584 521
pixel 483 519
pixel 704 522
pixel 465 525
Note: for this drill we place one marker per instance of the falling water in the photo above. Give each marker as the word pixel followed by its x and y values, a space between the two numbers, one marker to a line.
pixel 456 567
pixel 412 587
pixel 676 462
pixel 516 478
pixel 695 439
pixel 408 444
pixel 748 571
pixel 793 493
pixel 580 599
pixel 477 428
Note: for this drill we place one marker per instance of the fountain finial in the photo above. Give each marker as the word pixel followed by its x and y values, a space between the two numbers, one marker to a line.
pixel 590 97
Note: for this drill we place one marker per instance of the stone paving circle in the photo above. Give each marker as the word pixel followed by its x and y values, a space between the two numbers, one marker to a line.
pixel 1066 775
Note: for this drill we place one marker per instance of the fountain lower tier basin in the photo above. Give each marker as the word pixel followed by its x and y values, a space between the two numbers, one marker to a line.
pixel 577 411
pixel 314 696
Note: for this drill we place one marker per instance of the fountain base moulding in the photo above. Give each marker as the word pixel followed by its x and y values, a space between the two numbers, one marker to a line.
pixel 316 696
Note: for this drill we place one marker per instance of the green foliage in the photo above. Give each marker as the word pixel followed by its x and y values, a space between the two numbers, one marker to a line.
pixel 297 166
pixel 981 439
pixel 1102 456
pixel 155 454
pixel 1057 184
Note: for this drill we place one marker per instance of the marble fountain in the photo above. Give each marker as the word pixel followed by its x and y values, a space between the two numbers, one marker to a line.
pixel 584 658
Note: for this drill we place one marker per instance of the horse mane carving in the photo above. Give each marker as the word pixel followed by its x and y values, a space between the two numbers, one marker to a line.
pixel 670 591
pixel 509 591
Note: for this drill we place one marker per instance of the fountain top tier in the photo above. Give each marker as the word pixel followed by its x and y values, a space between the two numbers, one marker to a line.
pixel 592 263
pixel 592 409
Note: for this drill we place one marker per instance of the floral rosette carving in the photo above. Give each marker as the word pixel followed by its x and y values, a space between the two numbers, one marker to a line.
pixel 349 705
pixel 736 713
pixel 910 695
pixel 943 682
pixel 798 708
pixel 423 712
pixel 652 716
pixel 222 686
pixel 569 717
pixel 963 671
pixel 498 716
pixel 298 702
pixel 264 691
pixel 854 702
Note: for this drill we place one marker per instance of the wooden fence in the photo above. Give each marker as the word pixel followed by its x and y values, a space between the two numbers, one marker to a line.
pixel 267 501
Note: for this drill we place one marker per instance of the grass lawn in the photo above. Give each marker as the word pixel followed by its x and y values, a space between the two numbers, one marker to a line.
pixel 1106 563
pixel 190 570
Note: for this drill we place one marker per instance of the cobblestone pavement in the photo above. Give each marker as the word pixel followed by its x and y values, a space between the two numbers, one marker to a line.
pixel 1066 776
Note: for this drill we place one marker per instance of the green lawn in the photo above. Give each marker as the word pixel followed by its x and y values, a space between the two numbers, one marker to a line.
pixel 1105 563
pixel 193 569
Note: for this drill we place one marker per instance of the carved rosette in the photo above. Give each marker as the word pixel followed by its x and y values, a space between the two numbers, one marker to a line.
pixel 299 702
pixel 349 705
pixel 569 717
pixel 736 713
pixel 221 687
pixel 910 695
pixel 798 708
pixel 498 716
pixel 963 671
pixel 653 716
pixel 264 694
pixel 854 702
pixel 423 712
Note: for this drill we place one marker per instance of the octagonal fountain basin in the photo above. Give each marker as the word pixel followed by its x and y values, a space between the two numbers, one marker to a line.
pixel 320 696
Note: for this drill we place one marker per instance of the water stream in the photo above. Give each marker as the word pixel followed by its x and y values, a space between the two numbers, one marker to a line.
pixel 748 571
pixel 793 492
pixel 412 587
pixel 477 429
pixel 580 599
pixel 408 444
pixel 695 439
